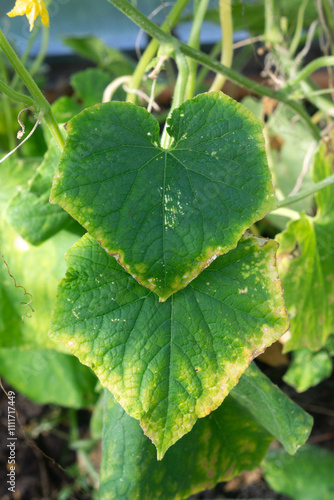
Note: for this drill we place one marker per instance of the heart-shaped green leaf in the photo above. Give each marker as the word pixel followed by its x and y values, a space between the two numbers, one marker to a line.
pixel 165 214
pixel 172 363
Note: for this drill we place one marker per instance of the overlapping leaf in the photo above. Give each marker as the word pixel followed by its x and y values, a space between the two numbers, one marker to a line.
pixel 89 85
pixel 219 446
pixel 172 363
pixel 306 259
pixel 30 213
pixel 94 49
pixel 165 214
pixel 306 476
pixel 308 369
pixel 231 439
pixel 28 357
pixel 270 406
pixel 15 174
pixel 48 376
pixel 64 108
pixel 37 269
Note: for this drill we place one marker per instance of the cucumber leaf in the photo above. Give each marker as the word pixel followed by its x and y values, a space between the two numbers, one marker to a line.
pixel 165 214
pixel 169 363
pixel 90 84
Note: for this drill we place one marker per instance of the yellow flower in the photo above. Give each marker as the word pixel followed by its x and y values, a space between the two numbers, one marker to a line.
pixel 31 8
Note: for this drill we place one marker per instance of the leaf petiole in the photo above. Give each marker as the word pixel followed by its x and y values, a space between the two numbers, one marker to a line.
pixel 306 192
pixel 179 94
pixel 16 96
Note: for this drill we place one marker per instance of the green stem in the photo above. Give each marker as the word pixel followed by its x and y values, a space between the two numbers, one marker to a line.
pixel 178 96
pixel 30 43
pixel 74 436
pixel 26 53
pixel 15 95
pixel 152 49
pixel 226 22
pixel 42 52
pixel 306 192
pixel 299 28
pixel 194 41
pixel 40 102
pixel 329 19
pixel 181 82
pixel 286 212
pixel 43 49
pixel 203 73
pixel 315 93
pixel 164 38
pixel 309 69
pixel 322 103
pixel 272 32
pixel 90 469
pixel 7 106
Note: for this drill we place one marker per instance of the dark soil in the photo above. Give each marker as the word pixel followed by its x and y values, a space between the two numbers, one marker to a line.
pixel 42 462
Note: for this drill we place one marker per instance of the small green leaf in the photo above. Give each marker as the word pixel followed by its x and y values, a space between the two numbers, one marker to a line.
pixel 15 174
pixel 218 447
pixel 95 50
pixel 330 345
pixel 29 212
pixel 306 476
pixel 49 377
pixel 37 269
pixel 169 364
pixel 165 214
pixel 270 406
pixel 308 369
pixel 305 263
pixel 90 85
pixel 65 108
